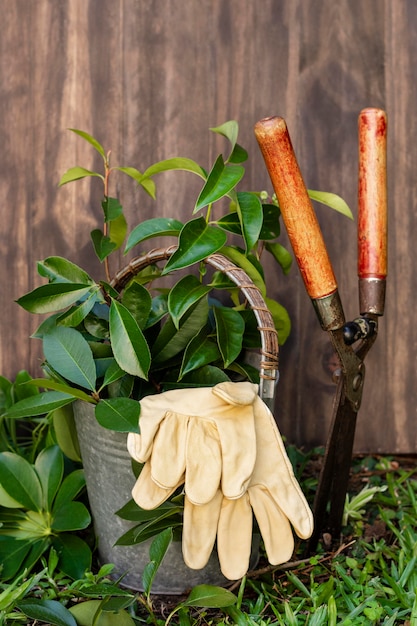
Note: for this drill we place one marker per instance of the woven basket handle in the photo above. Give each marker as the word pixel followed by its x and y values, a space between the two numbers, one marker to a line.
pixel 268 367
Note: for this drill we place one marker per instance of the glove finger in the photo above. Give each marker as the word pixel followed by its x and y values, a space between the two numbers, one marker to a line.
pixel 236 393
pixel 147 494
pixel 134 446
pixel 236 426
pixel 168 452
pixel 140 446
pixel 234 537
pixel 274 526
pixel 274 470
pixel 203 461
pixel 238 446
pixel 199 530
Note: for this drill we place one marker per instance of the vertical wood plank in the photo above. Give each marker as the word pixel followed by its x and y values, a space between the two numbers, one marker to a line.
pixel 398 414
pixel 148 79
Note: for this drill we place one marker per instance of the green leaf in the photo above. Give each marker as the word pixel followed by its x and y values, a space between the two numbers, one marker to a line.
pixel 271 227
pixel 206 376
pixel 159 309
pixel 49 611
pixel 281 319
pixel 230 328
pixel 197 241
pixel 20 480
pixel 58 269
pixel 130 348
pixel 209 596
pixel 70 487
pixel 332 200
pixel 97 326
pixel 23 386
pixel 17 589
pixel 250 213
pixel 171 341
pixel 185 294
pixel 39 405
pixel 146 184
pixel 70 516
pixel 143 532
pixel 155 227
pixel 45 383
pixel 66 433
pixel 221 180
pixel 157 551
pixel 76 173
pixel 69 354
pixel 74 555
pixel 119 414
pixel 231 223
pixel 112 374
pixel 106 589
pixel 239 155
pixel 93 613
pixel 177 163
pixel 138 300
pixel 112 208
pixel 281 255
pixel 49 466
pixel 52 297
pixel 91 140
pixel 12 556
pixel 7 501
pixel 246 370
pixel 242 261
pixel 117 231
pixel 103 246
pixel 200 351
pixel 132 172
pixel 134 513
pixel 229 129
pixel 76 314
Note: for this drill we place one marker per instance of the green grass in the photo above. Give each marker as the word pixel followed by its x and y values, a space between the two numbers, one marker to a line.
pixel 370 578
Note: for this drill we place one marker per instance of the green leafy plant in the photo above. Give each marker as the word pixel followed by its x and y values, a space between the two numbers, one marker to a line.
pixel 15 435
pixel 112 348
pixel 354 506
pixel 368 581
pixel 201 596
pixel 38 510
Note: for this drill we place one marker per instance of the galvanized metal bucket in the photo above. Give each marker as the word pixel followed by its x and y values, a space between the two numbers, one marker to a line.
pixel 107 464
pixel 109 479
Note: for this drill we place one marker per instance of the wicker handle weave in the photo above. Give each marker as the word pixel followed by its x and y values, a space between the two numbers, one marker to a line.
pixel 268 367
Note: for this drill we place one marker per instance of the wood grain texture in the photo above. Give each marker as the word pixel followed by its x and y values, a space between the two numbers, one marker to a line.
pixel 296 207
pixel 372 194
pixel 148 79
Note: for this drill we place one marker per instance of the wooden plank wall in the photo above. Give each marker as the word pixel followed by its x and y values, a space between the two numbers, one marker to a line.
pixel 148 78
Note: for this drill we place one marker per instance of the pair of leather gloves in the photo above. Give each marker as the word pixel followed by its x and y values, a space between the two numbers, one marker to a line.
pixel 223 444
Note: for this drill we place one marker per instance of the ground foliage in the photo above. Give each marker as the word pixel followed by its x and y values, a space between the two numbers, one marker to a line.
pixel 367 577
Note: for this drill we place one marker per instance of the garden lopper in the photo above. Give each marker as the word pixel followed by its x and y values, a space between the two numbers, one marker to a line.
pixel 351 340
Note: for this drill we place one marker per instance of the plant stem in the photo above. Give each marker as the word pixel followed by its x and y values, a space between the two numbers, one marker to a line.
pixel 107 171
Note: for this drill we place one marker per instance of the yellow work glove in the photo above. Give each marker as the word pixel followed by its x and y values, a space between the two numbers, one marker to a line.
pixel 273 495
pixel 204 437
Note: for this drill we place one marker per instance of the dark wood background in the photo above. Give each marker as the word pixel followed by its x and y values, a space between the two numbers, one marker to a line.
pixel 148 78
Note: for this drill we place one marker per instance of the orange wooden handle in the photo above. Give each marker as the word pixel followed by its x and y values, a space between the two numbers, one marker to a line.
pixel 372 194
pixel 296 207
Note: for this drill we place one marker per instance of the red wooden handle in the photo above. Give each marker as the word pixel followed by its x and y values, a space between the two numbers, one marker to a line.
pixel 372 194
pixel 296 207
